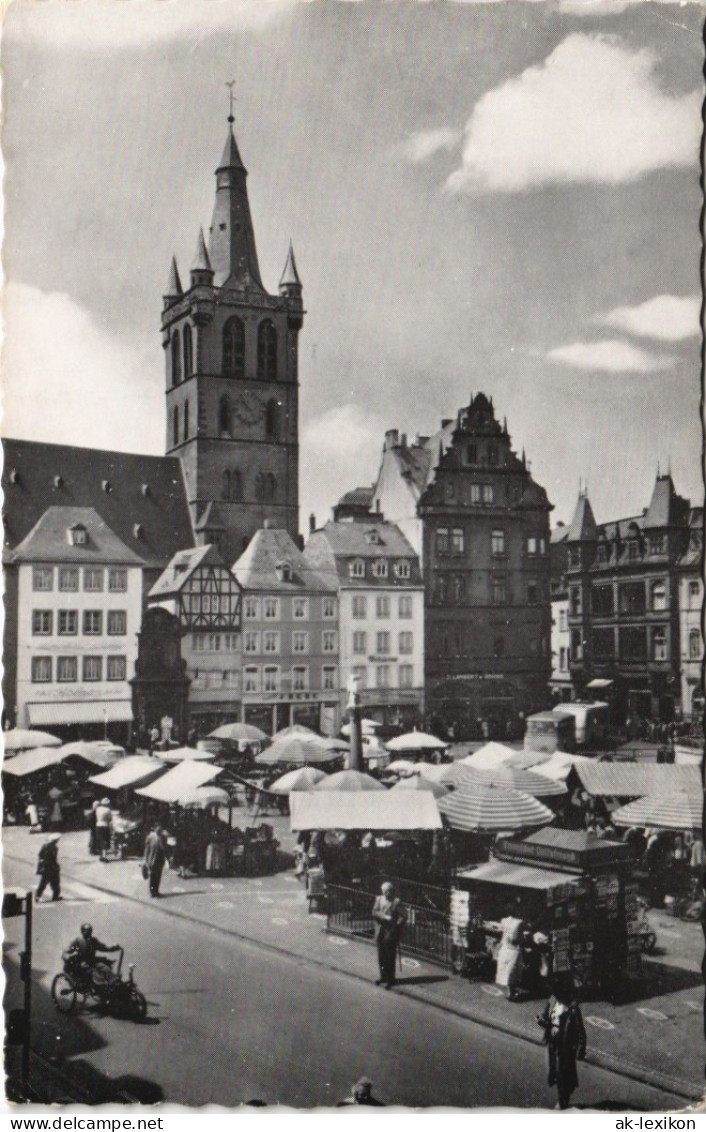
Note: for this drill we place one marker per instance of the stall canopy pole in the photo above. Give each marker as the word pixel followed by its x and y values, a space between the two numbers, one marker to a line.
pixel 355 758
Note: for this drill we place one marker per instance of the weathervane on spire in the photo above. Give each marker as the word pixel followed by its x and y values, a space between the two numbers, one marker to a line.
pixel 233 99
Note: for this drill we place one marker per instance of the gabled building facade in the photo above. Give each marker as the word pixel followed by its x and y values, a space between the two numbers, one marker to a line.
pixel 290 637
pixel 205 598
pixel 231 351
pixel 623 591
pixel 375 572
pixel 690 575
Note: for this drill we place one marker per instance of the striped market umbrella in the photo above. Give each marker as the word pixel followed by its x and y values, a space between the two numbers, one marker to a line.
pixel 680 810
pixel 296 729
pixel 514 778
pixel 479 808
pixel 349 781
pixel 304 778
pixel 298 750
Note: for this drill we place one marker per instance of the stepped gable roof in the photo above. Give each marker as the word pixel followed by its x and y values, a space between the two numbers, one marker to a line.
pixel 582 527
pixel 260 565
pixel 49 540
pixel 182 567
pixel 141 499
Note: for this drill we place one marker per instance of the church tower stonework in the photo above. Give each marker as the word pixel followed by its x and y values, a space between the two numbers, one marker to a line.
pixel 231 353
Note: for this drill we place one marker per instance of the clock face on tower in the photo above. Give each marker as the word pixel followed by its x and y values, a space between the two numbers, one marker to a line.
pixel 248 409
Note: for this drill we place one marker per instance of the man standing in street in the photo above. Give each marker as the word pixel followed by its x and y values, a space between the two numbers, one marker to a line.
pixel 48 869
pixel 103 819
pixel 389 917
pixel 155 856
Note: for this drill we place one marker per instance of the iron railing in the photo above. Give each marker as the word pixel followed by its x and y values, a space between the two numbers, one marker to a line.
pixel 426 932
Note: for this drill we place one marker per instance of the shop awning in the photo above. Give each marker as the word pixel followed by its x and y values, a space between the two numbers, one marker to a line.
pixel 179 781
pixel 635 780
pixel 372 811
pixel 135 770
pixel 31 761
pixel 518 876
pixel 88 711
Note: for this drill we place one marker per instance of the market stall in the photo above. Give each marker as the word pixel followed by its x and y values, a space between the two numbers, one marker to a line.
pixel 569 888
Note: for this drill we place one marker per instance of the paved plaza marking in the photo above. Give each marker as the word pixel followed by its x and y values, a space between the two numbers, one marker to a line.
pixel 599 1023
pixel 409 962
pixel 280 920
pixel 657 1015
pixel 494 992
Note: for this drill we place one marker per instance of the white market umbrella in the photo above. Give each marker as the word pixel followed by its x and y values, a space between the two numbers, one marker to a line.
pixel 349 781
pixel 490 755
pixel 19 739
pixel 416 741
pixel 402 766
pixel 434 772
pixel 304 778
pixel 416 782
pixel 182 754
pixel 203 796
pixel 239 733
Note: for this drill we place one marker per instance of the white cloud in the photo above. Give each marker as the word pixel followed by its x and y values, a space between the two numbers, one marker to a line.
pixel 340 450
pixel 668 318
pixel 608 357
pixel 592 111
pixel 66 380
pixel 423 144
pixel 100 25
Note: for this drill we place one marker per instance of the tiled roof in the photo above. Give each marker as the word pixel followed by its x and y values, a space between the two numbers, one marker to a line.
pixel 256 569
pixel 331 549
pixel 142 499
pixel 49 541
pixel 181 567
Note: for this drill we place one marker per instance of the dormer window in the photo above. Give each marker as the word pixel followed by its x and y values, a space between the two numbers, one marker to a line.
pixel 357 568
pixel 58 481
pixel 106 486
pixel 78 535
pixel 284 570
pixel 380 568
pixel 402 569
pixel 373 538
pixel 138 530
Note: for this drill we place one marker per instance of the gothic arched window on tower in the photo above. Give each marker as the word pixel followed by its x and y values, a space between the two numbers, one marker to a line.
pixel 270 486
pixel 176 358
pixel 225 417
pixel 186 420
pixel 259 486
pixel 175 425
pixel 234 348
pixel 188 352
pixel 236 486
pixel 225 485
pixel 267 351
pixel 271 420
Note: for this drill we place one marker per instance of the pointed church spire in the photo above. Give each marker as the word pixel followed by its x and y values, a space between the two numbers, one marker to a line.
pixel 201 270
pixel 290 275
pixel 174 288
pixel 232 238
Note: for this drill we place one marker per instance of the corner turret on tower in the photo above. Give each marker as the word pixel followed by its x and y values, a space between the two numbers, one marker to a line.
pixel 174 289
pixel 201 270
pixel 290 288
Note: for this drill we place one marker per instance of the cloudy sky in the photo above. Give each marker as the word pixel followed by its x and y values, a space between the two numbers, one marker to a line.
pixel 482 196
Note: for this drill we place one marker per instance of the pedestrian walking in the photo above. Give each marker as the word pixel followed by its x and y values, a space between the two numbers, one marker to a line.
pixel 48 869
pixel 390 918
pixel 564 1036
pixel 155 856
pixel 92 840
pixel 362 1093
pixel 103 819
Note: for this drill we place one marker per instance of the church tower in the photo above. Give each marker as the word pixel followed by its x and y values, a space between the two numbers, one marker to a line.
pixel 231 376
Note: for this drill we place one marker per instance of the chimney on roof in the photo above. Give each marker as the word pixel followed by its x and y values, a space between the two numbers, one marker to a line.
pixel 403 440
pixel 312 523
pixel 267 525
pixel 300 542
pixel 392 439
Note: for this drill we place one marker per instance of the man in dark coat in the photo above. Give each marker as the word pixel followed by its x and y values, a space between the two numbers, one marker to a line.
pixel 48 869
pixel 362 1094
pixel 155 856
pixel 564 1036
pixel 389 917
